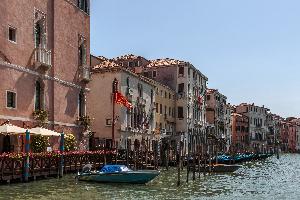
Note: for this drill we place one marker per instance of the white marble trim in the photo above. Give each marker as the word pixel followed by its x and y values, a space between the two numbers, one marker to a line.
pixel 23 69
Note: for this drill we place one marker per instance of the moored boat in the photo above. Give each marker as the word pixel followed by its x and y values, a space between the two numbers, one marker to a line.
pixel 220 168
pixel 118 174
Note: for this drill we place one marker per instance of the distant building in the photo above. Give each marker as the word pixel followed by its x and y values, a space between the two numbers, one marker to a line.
pixel 257 125
pixel 44 64
pixel 284 136
pixel 273 133
pixel 215 115
pixel 229 109
pixel 240 133
pixel 293 126
pixel 165 105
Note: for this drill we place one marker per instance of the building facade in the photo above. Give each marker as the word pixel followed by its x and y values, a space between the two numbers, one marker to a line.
pixel 257 125
pixel 229 109
pixel 240 133
pixel 273 134
pixel 44 63
pixel 136 124
pixel 165 105
pixel 189 85
pixel 216 118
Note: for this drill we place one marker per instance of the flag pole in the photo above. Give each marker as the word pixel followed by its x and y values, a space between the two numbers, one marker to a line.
pixel 114 90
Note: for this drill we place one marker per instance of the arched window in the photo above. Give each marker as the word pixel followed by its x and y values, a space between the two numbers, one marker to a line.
pixel 38 34
pixel 38 96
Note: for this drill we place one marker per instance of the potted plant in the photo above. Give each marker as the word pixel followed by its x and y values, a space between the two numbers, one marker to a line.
pixel 85 121
pixel 41 116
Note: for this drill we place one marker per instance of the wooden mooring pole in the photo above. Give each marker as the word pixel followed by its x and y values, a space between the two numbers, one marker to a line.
pixel 179 148
pixel 188 162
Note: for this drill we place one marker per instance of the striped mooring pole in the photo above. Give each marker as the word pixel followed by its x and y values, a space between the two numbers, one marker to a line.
pixel 62 148
pixel 27 149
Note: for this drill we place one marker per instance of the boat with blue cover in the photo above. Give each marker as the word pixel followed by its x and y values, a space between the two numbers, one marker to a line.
pixel 118 174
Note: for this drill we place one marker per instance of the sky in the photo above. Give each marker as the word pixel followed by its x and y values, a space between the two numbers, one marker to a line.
pixel 249 50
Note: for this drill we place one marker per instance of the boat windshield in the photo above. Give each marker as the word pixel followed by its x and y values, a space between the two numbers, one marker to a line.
pixel 115 168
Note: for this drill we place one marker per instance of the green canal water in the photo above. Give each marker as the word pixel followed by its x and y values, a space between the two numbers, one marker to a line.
pixel 269 179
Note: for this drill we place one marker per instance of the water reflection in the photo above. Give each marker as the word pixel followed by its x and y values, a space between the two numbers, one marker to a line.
pixel 269 179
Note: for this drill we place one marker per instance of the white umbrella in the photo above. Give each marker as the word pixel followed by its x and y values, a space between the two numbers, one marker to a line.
pixel 9 128
pixel 44 132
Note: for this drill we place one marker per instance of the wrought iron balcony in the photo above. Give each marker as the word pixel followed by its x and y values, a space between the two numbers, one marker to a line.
pixel 42 59
pixel 84 73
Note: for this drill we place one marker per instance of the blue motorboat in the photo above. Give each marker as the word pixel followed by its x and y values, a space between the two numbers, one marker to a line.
pixel 118 174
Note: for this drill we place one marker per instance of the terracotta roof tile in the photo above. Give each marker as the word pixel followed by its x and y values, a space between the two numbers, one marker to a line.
pixel 165 62
pixel 105 65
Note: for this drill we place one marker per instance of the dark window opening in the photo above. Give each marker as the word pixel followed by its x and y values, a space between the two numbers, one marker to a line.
pixel 38 34
pixel 146 74
pixel 181 71
pixel 83 5
pixel 38 96
pixel 81 103
pixel 160 109
pixel 140 90
pixel 12 34
pixel 130 64
pixel 181 88
pixel 154 74
pixel 11 99
pixel 180 112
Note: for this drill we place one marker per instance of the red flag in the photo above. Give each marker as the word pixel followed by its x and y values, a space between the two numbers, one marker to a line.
pixel 120 99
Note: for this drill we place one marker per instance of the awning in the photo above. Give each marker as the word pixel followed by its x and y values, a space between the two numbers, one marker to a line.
pixel 43 132
pixel 9 128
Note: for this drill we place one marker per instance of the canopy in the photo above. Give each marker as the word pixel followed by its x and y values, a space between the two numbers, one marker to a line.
pixel 44 132
pixel 9 128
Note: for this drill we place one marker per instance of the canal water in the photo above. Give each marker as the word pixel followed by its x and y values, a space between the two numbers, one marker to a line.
pixel 269 179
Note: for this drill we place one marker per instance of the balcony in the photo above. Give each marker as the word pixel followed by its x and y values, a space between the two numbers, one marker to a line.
pixel 42 59
pixel 84 73
pixel 141 100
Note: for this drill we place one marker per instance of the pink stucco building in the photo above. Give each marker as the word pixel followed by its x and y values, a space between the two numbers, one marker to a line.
pixel 240 133
pixel 44 59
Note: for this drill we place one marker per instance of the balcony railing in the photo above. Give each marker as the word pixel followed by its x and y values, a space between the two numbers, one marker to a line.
pixel 42 58
pixel 84 73
pixel 141 100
